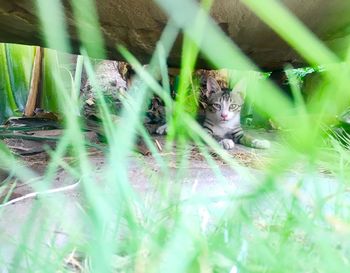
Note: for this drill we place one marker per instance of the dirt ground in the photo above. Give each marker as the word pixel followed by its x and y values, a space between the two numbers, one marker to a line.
pixel 199 180
pixel 38 161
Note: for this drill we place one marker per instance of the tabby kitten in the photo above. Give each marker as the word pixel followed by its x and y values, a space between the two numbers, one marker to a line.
pixel 222 117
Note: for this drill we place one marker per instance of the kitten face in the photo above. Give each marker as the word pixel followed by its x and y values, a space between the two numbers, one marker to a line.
pixel 224 105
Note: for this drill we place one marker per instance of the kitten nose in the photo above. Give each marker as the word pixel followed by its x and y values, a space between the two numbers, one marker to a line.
pixel 224 116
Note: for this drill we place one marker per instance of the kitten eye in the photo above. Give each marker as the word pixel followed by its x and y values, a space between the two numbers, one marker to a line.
pixel 217 106
pixel 234 107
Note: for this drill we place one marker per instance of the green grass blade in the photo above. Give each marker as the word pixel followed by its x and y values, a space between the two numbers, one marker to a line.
pixel 54 27
pixel 292 31
pixel 87 22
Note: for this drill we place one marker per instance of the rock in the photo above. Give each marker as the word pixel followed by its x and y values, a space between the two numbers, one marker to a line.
pixel 137 24
pixel 112 86
pixel 108 78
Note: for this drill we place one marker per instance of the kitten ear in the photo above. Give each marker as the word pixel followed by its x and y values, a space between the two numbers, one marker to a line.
pixel 240 88
pixel 212 86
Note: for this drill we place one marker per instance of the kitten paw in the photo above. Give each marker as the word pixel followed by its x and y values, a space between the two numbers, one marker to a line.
pixel 227 144
pixel 261 144
pixel 162 130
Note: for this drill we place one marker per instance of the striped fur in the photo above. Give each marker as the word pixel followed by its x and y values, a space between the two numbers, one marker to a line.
pixel 222 117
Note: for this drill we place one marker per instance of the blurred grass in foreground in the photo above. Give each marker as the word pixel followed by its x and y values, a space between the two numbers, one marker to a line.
pixel 283 223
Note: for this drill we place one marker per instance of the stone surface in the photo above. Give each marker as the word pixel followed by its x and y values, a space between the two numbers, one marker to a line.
pixel 139 23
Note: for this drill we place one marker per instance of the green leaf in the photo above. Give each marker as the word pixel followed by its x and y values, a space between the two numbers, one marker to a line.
pixel 49 98
pixel 7 102
pixel 20 62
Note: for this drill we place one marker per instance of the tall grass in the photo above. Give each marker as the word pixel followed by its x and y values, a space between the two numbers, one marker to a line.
pixel 286 218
